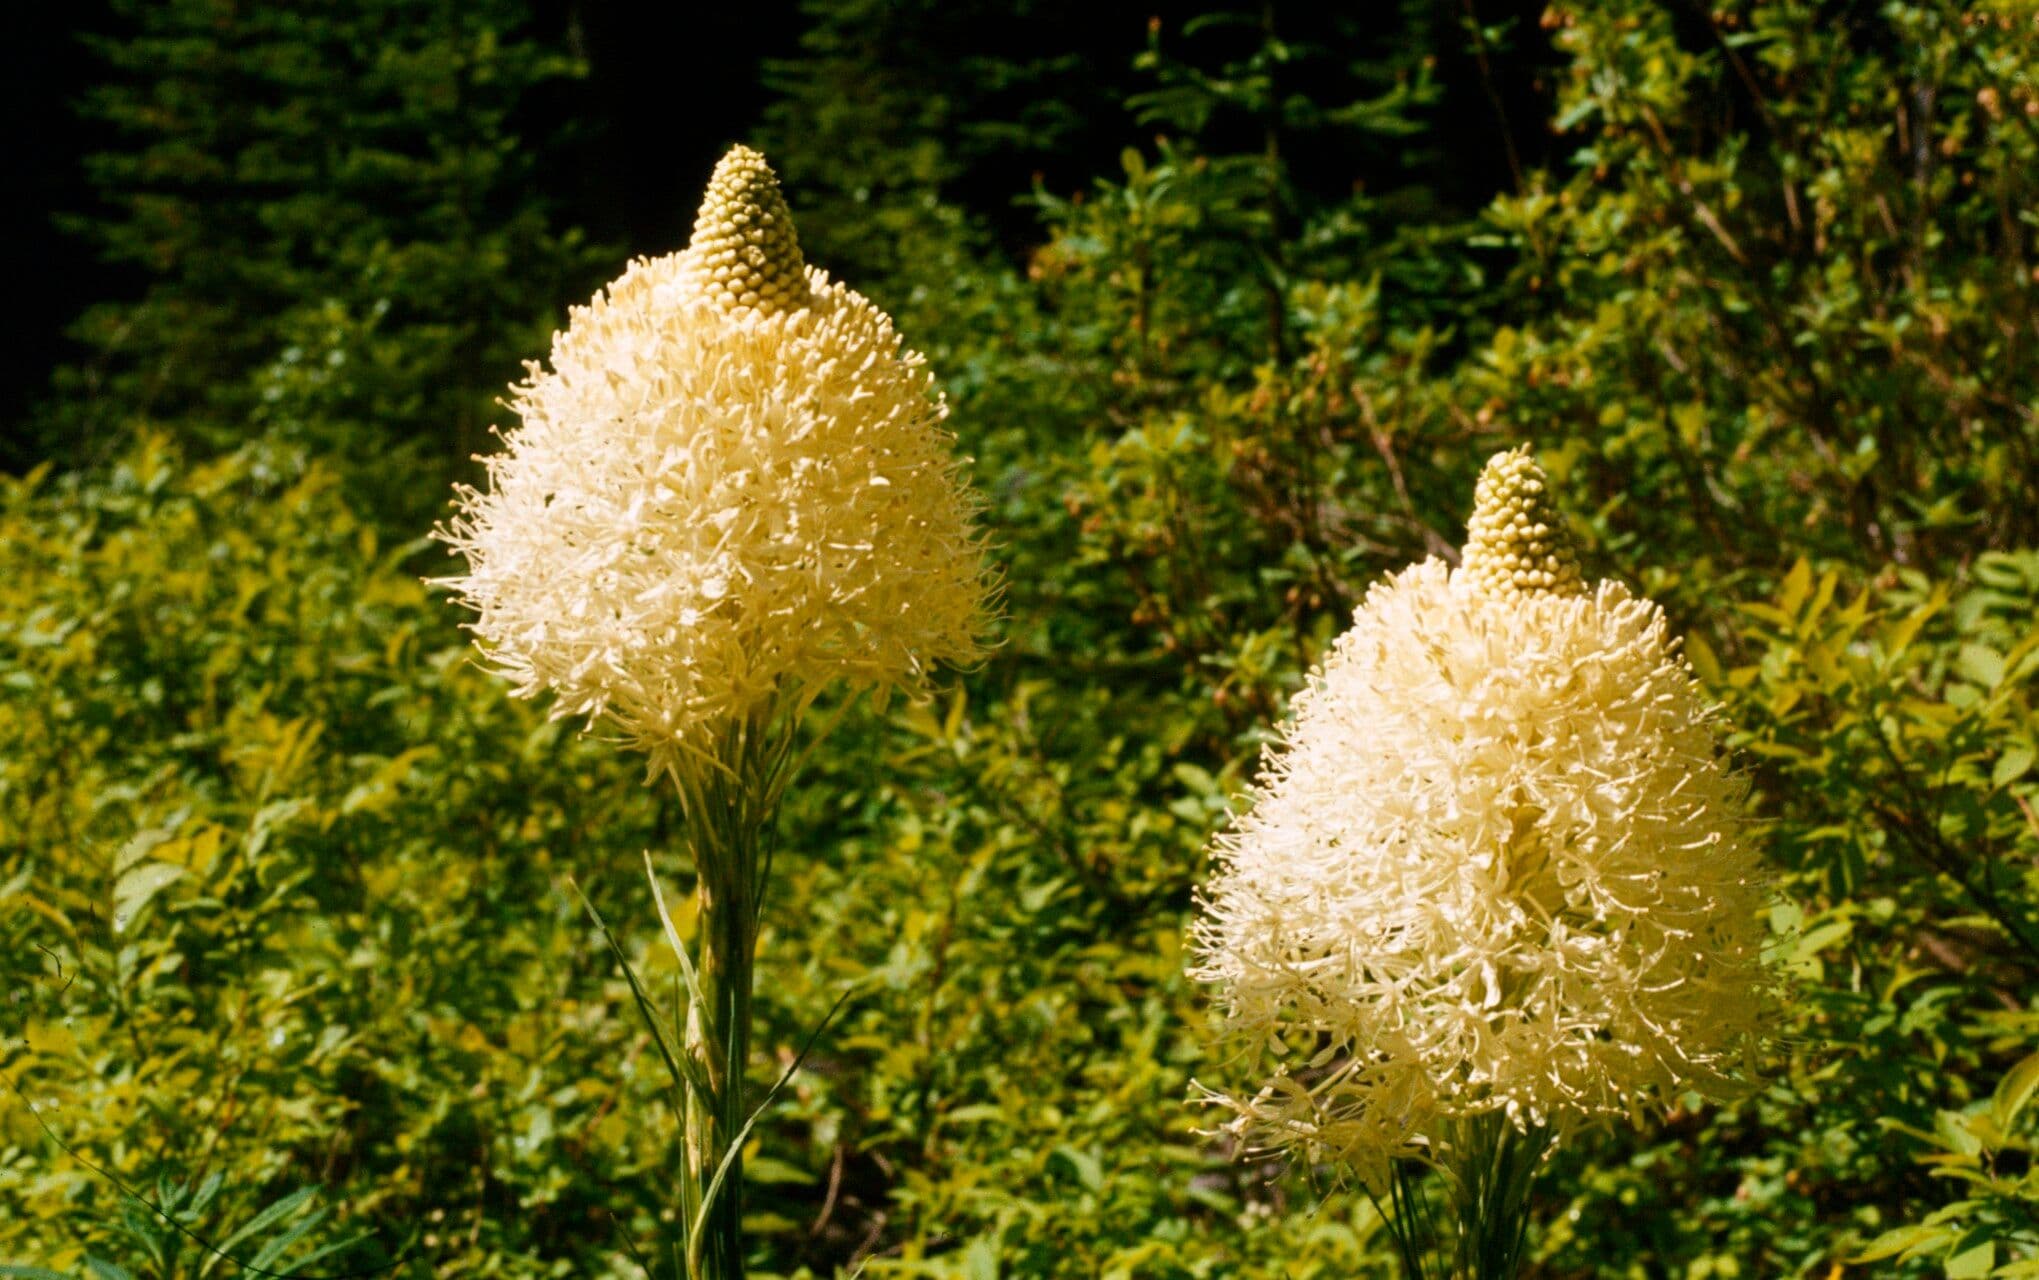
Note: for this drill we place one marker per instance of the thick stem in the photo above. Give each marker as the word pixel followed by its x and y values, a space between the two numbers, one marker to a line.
pixel 720 1042
pixel 729 803
pixel 1490 1167
pixel 1487 1169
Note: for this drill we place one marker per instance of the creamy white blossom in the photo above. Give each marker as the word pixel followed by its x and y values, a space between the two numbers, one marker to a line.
pixel 1495 862
pixel 732 483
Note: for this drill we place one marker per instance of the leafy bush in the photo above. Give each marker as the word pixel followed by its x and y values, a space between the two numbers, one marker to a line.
pixel 279 882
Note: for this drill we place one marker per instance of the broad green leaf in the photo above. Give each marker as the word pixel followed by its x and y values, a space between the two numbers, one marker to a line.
pixel 980 1260
pixel 2012 764
pixel 1797 584
pixel 1900 637
pixel 1980 664
pixel 1973 1263
pixel 1902 1240
pixel 1089 1173
pixel 133 890
pixel 1704 662
pixel 1953 1131
pixel 2015 1090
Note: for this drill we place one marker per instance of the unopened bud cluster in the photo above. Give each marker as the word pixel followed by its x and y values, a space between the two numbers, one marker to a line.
pixel 745 253
pixel 1516 540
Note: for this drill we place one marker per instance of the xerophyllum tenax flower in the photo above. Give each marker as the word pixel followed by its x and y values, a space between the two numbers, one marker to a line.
pixel 730 489
pixel 1495 866
pixel 731 485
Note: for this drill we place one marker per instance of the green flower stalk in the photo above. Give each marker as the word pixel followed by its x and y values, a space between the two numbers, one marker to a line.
pixel 1494 883
pixel 730 490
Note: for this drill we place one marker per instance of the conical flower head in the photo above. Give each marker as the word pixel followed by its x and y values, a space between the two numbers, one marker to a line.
pixel 1516 540
pixel 1495 862
pixel 731 484
pixel 745 253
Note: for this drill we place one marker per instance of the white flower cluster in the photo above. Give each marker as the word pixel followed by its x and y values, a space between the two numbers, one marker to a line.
pixel 1495 863
pixel 724 489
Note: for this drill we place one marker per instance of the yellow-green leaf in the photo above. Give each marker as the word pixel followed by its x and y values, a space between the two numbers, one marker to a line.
pixel 1974 1263
pixel 2012 764
pixel 133 891
pixel 2015 1090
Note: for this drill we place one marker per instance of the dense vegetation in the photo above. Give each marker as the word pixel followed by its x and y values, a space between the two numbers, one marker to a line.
pixel 284 892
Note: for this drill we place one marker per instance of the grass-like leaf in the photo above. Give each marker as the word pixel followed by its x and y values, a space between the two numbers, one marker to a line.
pixel 696 1233
pixel 684 1071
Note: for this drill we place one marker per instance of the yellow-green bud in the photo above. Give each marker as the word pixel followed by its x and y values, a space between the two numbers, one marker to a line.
pixel 744 254
pixel 1516 540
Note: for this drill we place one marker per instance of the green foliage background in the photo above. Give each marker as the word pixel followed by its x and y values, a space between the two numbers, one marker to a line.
pixel 283 877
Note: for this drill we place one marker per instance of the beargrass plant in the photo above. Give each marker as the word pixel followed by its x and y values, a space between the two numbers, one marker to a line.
pixel 731 490
pixel 1494 883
